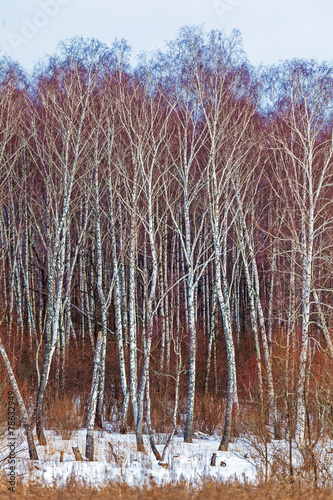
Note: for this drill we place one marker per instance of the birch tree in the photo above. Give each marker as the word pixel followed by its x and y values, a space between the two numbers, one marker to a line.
pixel 184 151
pixel 302 140
pixel 12 141
pixel 145 126
pixel 227 98
pixel 60 109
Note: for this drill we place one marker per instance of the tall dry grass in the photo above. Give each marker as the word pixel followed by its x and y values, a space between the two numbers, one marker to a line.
pixel 209 491
pixel 65 414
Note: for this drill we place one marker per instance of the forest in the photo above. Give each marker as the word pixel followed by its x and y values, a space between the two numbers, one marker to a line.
pixel 166 254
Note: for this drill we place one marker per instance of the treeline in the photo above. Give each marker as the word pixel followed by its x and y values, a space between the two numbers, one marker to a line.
pixel 164 207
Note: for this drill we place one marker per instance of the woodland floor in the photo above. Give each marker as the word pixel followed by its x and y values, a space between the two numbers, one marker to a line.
pixel 124 473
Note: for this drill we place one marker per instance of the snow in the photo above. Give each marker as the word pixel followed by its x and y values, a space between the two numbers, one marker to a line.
pixel 184 461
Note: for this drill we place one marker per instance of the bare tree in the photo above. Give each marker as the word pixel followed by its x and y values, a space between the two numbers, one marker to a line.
pixel 57 160
pixel 302 141
pixel 187 208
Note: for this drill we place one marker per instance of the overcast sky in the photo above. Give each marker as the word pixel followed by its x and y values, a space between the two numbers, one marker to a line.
pixel 272 30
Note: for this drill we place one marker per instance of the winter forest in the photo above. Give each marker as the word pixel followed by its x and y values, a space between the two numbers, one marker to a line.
pixel 166 246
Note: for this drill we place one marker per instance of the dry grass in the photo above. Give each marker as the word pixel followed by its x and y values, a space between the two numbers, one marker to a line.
pixel 65 415
pixel 4 388
pixel 209 414
pixel 210 491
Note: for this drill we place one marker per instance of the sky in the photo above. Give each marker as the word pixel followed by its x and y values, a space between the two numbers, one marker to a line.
pixel 272 30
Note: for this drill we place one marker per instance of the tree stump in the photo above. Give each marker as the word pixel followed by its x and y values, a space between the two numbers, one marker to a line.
pixel 115 458
pixel 213 460
pixel 77 454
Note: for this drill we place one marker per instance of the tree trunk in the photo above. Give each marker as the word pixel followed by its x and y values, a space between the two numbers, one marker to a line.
pixel 25 417
pixel 93 399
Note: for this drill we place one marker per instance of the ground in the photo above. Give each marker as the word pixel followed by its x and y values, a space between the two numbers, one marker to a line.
pixel 189 462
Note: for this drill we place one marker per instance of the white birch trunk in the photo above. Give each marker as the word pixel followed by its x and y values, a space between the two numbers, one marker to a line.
pixel 119 314
pixel 93 399
pixel 24 414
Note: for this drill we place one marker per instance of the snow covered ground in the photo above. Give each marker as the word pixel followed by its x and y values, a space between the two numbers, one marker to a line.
pixel 122 463
pixel 189 462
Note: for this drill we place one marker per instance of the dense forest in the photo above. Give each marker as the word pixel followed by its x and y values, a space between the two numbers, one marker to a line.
pixel 166 248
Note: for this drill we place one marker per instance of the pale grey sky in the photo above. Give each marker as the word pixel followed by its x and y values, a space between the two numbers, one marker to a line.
pixel 272 30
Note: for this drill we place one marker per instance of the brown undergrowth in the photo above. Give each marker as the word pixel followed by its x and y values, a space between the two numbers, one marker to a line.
pixel 209 491
pixel 65 414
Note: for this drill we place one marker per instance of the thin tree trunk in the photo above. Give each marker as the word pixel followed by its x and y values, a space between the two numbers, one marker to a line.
pixel 93 399
pixel 211 335
pixel 25 417
pixel 119 315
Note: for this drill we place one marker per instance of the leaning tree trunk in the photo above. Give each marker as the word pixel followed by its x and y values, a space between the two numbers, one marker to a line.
pixel 51 331
pixel 177 348
pixel 254 295
pixel 25 417
pixel 232 396
pixel 222 290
